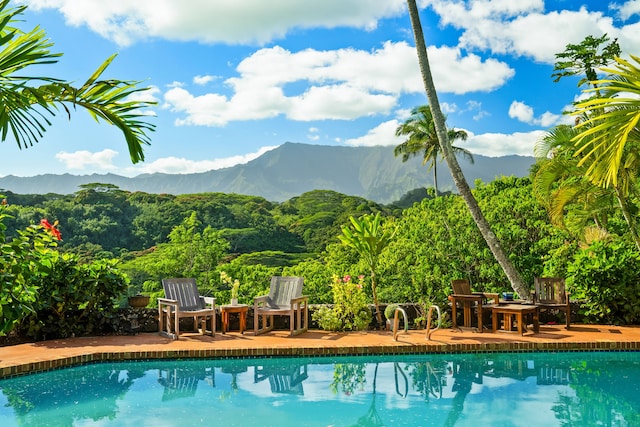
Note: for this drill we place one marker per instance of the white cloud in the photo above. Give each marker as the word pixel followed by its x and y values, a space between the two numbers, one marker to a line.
pixel 203 80
pixel 487 144
pixel 176 165
pixel 524 113
pixel 524 28
pixel 627 9
pixel 383 134
pixel 226 21
pixel 500 144
pixel 342 84
pixel 83 159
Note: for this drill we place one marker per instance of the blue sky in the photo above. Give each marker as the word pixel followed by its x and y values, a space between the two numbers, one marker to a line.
pixel 235 78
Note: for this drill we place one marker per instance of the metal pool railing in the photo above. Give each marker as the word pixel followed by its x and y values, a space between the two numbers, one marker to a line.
pixel 400 310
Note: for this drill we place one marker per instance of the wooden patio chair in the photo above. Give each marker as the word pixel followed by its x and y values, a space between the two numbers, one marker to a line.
pixel 285 299
pixel 550 294
pixel 462 293
pixel 182 299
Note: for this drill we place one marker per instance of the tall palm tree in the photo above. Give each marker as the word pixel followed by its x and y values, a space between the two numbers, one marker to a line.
pixel 517 283
pixel 423 139
pixel 27 102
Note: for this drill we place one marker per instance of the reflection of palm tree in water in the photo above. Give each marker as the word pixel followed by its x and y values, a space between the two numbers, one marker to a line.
pixel 371 418
pixel 427 380
pixel 464 375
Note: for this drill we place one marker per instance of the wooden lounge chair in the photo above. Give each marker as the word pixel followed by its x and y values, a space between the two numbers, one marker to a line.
pixel 182 299
pixel 285 299
pixel 462 293
pixel 550 294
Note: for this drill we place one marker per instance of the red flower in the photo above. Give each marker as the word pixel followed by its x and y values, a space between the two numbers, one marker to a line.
pixel 51 228
pixel 346 278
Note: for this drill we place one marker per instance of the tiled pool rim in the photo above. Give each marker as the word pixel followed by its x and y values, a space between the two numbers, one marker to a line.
pixel 58 354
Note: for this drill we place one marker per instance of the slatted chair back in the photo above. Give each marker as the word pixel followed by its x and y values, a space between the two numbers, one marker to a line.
pixel 185 291
pixel 283 289
pixel 550 290
pixel 461 287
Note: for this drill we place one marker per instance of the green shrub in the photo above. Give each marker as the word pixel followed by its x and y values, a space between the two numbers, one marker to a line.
pixel 350 310
pixel 76 299
pixel 605 278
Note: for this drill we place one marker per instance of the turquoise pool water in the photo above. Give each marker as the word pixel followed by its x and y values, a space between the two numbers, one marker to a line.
pixel 506 389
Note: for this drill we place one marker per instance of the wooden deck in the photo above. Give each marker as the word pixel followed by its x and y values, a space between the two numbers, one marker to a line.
pixel 26 358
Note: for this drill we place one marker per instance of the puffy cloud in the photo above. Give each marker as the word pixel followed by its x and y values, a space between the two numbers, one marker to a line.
pixel 524 113
pixel 342 84
pixel 203 80
pixel 83 159
pixel 383 134
pixel 501 144
pixel 627 9
pixel 181 165
pixel 487 144
pixel 226 21
pixel 525 28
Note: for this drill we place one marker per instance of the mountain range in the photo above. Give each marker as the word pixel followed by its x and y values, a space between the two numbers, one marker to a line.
pixel 290 170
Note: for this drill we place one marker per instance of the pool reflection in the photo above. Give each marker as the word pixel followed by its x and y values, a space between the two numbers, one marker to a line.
pixel 445 390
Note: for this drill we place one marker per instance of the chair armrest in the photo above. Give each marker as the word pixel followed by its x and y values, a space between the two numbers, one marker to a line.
pixel 299 299
pixel 209 301
pixel 260 300
pixel 495 297
pixel 169 302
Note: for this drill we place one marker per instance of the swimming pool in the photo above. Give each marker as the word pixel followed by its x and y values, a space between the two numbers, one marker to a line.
pixel 496 389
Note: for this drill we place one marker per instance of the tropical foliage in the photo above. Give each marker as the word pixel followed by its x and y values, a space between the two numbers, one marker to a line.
pixel 367 236
pixel 349 310
pixel 28 101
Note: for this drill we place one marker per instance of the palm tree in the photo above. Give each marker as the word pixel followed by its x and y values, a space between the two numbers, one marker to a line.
pixel 423 139
pixel 607 141
pixel 27 102
pixel 612 122
pixel 509 269
pixel 559 182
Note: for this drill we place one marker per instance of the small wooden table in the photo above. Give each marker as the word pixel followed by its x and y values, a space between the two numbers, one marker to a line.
pixel 517 310
pixel 241 309
pixel 467 301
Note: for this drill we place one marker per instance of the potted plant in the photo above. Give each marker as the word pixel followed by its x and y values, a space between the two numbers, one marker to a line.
pixel 234 292
pixel 138 301
pixel 233 284
pixel 135 297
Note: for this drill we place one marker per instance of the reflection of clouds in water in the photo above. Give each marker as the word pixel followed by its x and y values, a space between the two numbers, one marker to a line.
pixel 473 391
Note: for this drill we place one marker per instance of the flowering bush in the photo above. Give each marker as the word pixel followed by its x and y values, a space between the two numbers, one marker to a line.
pixel 350 310
pixel 24 261
pixel 46 294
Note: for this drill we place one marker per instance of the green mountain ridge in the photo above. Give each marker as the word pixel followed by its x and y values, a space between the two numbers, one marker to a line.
pixel 290 170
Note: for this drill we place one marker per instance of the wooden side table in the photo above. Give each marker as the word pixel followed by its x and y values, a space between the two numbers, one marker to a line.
pixel 241 309
pixel 517 310
pixel 468 302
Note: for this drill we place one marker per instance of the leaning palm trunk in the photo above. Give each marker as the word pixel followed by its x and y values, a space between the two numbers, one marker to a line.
pixel 628 217
pixel 512 274
pixel 435 178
